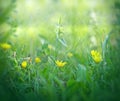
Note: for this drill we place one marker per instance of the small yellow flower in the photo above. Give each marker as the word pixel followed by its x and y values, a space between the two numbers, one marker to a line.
pixel 69 54
pixel 96 56
pixel 24 64
pixel 50 47
pixel 37 60
pixel 60 63
pixel 5 46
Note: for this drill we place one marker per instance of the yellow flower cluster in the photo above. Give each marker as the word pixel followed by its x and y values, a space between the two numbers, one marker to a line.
pixel 60 63
pixel 24 63
pixel 5 46
pixel 96 56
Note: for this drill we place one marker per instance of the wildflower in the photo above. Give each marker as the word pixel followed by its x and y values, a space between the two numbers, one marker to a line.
pixel 37 60
pixel 60 63
pixel 50 47
pixel 24 64
pixel 96 56
pixel 69 54
pixel 5 46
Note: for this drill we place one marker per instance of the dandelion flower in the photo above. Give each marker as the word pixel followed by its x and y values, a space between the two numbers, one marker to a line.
pixel 24 64
pixel 37 60
pixel 60 63
pixel 69 54
pixel 5 46
pixel 96 56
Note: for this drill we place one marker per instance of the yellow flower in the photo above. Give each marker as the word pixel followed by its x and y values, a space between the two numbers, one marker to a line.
pixel 69 54
pixel 5 46
pixel 60 63
pixel 24 64
pixel 37 60
pixel 96 56
pixel 50 47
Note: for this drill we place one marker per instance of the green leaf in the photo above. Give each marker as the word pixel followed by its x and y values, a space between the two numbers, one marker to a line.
pixel 105 42
pixel 81 73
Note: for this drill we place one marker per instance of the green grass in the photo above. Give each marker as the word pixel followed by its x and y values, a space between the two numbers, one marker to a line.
pixel 81 79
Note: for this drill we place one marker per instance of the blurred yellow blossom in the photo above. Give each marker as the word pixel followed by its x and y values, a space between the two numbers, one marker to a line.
pixel 60 63
pixel 96 56
pixel 24 64
pixel 50 47
pixel 69 54
pixel 5 46
pixel 37 60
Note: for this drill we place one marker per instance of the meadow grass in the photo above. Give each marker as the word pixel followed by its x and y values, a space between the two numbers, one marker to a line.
pixel 75 60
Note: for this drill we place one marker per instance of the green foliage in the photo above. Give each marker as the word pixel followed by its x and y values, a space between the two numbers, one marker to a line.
pixel 81 30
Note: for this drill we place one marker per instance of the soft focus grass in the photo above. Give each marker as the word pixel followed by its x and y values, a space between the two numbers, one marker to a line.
pixel 51 33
